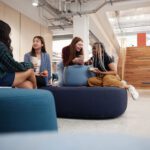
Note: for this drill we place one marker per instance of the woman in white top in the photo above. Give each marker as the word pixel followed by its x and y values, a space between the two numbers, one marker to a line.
pixel 41 61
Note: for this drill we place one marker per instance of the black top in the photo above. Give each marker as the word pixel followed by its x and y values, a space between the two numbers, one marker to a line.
pixel 106 59
pixel 78 54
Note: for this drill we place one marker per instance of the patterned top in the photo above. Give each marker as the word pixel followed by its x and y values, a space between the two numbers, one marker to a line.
pixel 8 64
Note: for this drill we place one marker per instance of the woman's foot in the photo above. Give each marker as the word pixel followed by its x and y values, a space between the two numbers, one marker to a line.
pixel 134 93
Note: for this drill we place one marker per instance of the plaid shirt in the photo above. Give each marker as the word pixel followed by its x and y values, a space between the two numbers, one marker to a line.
pixel 8 64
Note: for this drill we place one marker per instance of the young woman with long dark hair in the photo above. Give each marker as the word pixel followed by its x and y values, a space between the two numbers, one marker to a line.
pixel 13 73
pixel 41 61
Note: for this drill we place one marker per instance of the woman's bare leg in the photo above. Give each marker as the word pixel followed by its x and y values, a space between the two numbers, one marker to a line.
pixel 134 93
pixel 32 78
pixel 26 85
pixel 21 77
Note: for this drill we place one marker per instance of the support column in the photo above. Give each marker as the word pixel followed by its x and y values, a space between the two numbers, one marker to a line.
pixel 81 29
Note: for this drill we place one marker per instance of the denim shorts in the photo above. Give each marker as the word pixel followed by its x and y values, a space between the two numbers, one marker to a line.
pixel 8 79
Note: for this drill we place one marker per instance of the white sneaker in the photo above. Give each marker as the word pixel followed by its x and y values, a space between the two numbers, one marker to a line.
pixel 134 93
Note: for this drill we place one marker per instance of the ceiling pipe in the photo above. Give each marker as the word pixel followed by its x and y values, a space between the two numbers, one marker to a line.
pixel 104 4
pixel 50 8
pixel 59 27
pixel 111 2
pixel 57 12
pixel 60 5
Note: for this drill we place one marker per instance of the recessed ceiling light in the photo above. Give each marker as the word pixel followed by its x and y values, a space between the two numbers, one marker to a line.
pixel 128 18
pixel 35 3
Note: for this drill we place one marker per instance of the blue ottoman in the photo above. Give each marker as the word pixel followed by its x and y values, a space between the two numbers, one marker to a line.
pixel 76 75
pixel 89 103
pixel 27 110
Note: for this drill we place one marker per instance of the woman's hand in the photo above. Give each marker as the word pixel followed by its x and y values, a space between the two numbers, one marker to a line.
pixel 44 73
pixel 37 74
pixel 95 70
pixel 89 62
pixel 78 60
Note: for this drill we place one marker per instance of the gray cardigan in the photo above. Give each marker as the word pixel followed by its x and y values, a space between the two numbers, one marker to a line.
pixel 45 63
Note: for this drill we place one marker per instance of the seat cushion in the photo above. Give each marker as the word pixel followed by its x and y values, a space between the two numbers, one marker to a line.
pixel 76 75
pixel 90 103
pixel 27 110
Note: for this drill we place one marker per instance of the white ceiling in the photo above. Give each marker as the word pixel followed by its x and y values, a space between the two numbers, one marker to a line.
pixel 25 7
pixel 114 17
pixel 130 22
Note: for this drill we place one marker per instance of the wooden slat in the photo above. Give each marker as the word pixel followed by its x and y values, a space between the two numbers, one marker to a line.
pixel 137 66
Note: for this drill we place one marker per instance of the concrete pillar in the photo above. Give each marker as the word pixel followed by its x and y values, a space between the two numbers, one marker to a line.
pixel 81 29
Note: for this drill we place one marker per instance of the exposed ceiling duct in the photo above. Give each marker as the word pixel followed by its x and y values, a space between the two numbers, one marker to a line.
pixel 62 11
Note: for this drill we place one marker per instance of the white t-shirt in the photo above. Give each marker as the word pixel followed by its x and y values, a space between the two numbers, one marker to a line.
pixel 36 61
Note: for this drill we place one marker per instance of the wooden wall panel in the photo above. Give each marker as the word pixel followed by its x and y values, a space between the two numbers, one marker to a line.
pixel 12 17
pixel 2 7
pixel 137 66
pixel 121 62
pixel 48 38
pixel 29 29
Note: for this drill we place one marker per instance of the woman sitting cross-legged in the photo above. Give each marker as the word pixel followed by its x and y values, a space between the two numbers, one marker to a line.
pixel 13 73
pixel 106 72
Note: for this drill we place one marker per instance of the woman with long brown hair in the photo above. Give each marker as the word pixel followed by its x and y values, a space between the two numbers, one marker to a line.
pixel 73 53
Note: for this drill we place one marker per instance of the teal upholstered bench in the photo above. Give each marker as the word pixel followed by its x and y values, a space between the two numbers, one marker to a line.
pixel 27 110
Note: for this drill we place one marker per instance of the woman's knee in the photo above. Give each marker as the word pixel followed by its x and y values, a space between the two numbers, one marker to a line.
pixel 94 81
pixel 108 77
pixel 27 85
pixel 30 71
pixel 111 80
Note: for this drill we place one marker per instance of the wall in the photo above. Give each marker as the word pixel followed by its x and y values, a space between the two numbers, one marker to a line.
pixel 23 31
pixel 121 62
pixel 12 17
pixel 137 66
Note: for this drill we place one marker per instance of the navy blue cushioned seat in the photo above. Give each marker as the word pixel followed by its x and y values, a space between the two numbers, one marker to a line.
pixel 89 103
pixel 27 110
